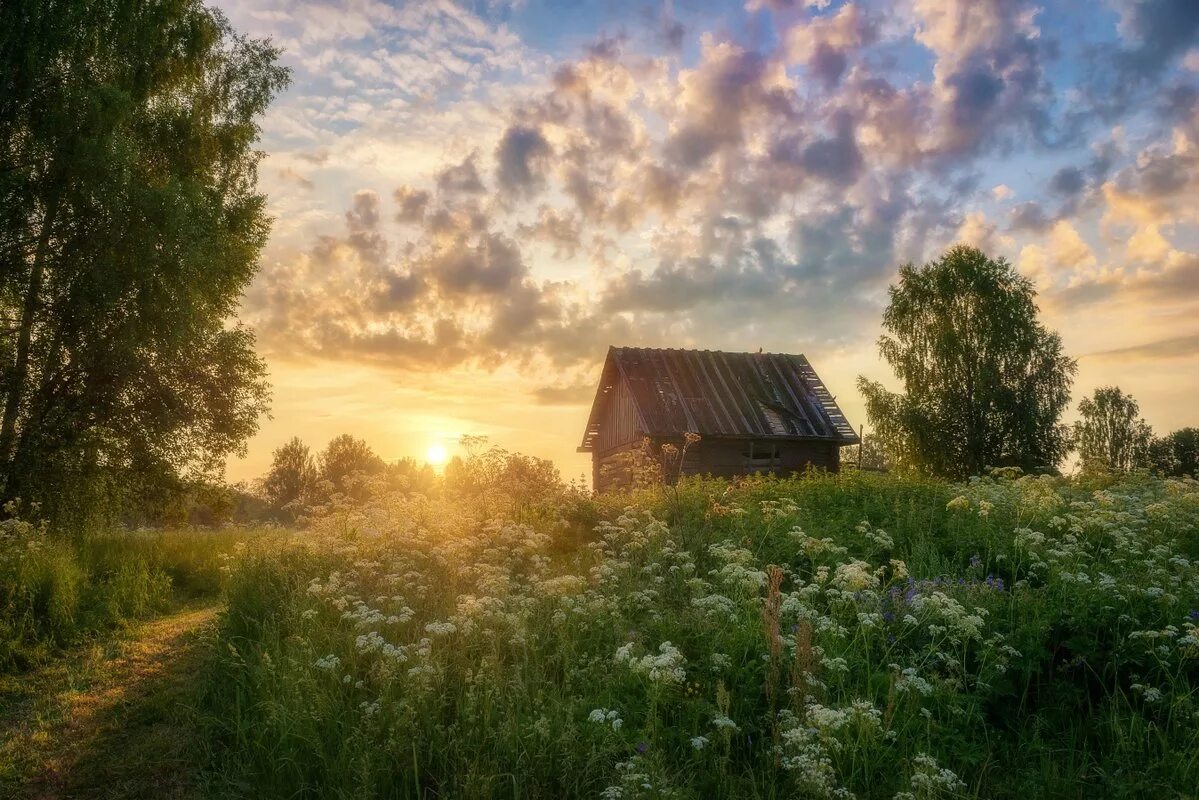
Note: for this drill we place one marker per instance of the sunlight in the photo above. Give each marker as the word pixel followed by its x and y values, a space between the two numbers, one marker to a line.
pixel 436 454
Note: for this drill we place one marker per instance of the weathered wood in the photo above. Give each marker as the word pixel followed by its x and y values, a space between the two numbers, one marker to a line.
pixel 738 403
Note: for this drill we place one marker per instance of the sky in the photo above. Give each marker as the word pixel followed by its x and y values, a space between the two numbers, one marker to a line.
pixel 472 201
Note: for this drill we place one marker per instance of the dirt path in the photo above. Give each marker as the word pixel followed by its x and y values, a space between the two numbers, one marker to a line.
pixel 109 720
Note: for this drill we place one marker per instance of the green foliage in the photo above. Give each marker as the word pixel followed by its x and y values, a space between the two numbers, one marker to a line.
pixel 56 591
pixel 499 482
pixel 346 466
pixel 1176 453
pixel 984 382
pixel 878 635
pixel 291 480
pixel 869 455
pixel 130 223
pixel 1111 436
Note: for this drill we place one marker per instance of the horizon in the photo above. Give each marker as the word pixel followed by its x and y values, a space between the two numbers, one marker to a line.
pixel 472 204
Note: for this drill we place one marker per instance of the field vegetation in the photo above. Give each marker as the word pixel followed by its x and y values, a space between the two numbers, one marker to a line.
pixel 59 589
pixel 825 636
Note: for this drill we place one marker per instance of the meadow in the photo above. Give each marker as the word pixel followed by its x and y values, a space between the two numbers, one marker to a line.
pixel 824 636
pixel 59 590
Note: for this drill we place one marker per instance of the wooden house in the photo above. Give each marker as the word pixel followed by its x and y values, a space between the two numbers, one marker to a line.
pixel 753 412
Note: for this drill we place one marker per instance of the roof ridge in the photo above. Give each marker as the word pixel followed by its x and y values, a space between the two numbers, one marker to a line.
pixel 704 350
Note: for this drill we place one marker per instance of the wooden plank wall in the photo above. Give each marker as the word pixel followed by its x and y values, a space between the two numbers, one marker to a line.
pixel 723 458
pixel 619 426
pixel 726 458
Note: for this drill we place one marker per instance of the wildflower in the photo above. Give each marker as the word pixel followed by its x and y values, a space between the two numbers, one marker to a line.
pixel 958 503
pixel 1149 693
pixel 854 576
pixel 642 747
pixel 724 723
pixel 699 742
pixel 329 662
pixel 931 780
pixel 666 667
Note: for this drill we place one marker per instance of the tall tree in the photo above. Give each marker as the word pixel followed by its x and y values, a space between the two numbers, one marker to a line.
pixel 292 477
pixel 984 382
pixel 130 223
pixel 347 463
pixel 1111 436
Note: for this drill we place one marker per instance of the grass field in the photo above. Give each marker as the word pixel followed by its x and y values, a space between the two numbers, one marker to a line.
pixel 865 636
pixel 59 590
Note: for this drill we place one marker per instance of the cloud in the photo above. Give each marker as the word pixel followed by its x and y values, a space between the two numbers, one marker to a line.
pixel 1067 181
pixel 461 178
pixel 571 395
pixel 978 231
pixel 733 195
pixel 835 159
pixel 825 44
pixel 728 91
pixel 294 176
pixel 1156 32
pixel 521 160
pixel 412 203
pixel 1186 346
pixel 989 83
pixel 491 265
pixel 1028 216
pixel 557 229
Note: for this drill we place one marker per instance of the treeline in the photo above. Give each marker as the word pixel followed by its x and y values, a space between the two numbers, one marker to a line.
pixel 348 472
pixel 1112 437
pixel 985 384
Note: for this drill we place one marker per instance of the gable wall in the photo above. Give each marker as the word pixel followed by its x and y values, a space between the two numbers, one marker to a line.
pixel 619 425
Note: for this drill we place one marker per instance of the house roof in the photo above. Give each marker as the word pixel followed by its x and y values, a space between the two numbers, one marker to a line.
pixel 716 394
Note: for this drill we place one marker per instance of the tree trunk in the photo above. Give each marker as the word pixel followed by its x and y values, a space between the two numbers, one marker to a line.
pixel 20 373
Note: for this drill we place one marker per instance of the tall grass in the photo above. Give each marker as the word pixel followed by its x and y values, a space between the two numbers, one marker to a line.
pixel 57 589
pixel 829 636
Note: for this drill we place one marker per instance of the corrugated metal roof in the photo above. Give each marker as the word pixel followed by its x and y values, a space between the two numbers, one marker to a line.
pixel 760 395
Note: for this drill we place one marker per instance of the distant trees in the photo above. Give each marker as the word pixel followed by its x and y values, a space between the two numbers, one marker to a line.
pixel 291 481
pixel 984 382
pixel 346 471
pixel 869 455
pixel 347 463
pixel 130 223
pixel 1111 436
pixel 1176 453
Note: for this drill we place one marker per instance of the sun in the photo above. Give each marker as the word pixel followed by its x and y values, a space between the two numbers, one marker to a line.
pixel 436 454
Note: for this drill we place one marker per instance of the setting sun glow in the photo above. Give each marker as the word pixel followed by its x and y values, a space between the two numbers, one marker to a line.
pixel 436 454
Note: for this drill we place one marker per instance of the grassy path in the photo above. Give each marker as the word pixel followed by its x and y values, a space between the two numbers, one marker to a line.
pixel 108 720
